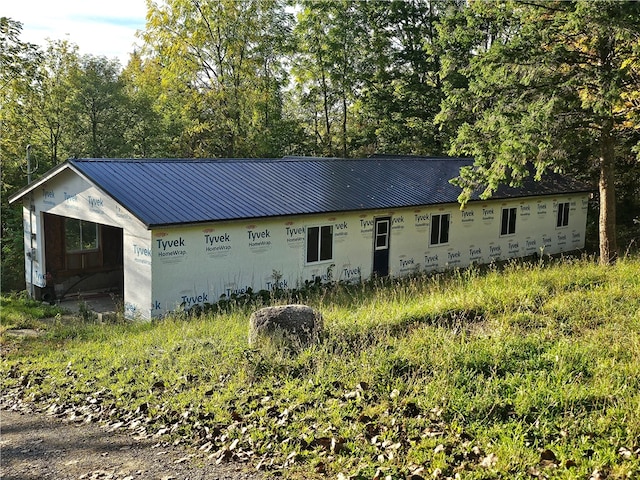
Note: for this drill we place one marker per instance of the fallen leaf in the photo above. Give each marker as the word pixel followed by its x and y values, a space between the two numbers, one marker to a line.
pixel 548 456
pixel 337 445
pixel 224 456
pixel 625 453
pixel 489 461
pixel 159 385
pixel 475 453
pixel 324 442
pixel 548 459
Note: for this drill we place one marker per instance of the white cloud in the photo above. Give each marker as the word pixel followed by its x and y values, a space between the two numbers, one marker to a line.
pixel 98 27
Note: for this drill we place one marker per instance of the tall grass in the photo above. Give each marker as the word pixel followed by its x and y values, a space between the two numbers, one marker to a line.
pixel 520 372
pixel 19 311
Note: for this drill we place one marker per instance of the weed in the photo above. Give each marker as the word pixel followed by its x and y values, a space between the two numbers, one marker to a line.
pixel 19 311
pixel 513 371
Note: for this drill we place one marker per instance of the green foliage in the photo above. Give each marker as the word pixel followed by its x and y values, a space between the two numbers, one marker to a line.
pixel 16 56
pixel 222 72
pixel 12 254
pixel 402 89
pixel 547 84
pixel 519 372
pixel 552 83
pixel 99 106
pixel 19 311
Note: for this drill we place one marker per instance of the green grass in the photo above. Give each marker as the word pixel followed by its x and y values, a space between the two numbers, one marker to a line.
pixel 531 371
pixel 19 311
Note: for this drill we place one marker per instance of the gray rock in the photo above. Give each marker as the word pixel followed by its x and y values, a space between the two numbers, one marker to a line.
pixel 296 325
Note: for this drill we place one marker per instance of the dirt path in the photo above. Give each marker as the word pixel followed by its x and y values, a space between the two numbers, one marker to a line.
pixel 34 446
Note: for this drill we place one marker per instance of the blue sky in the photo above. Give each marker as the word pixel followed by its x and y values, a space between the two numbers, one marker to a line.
pixel 98 27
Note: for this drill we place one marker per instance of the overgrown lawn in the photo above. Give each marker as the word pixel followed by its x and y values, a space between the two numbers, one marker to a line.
pixel 19 311
pixel 531 371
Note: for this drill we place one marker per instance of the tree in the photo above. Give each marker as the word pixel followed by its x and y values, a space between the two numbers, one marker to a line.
pixel 17 58
pixel 18 63
pixel 147 131
pixel 331 38
pixel 49 105
pixel 402 89
pixel 367 75
pixel 548 83
pixel 98 103
pixel 221 70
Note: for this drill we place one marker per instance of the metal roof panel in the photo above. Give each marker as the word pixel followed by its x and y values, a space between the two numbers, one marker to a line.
pixel 181 191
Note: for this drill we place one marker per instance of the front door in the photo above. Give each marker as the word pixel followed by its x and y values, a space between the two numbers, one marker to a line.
pixel 381 235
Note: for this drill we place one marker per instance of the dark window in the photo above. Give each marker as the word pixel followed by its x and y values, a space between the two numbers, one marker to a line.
pixel 563 215
pixel 319 243
pixel 81 239
pixel 80 235
pixel 439 229
pixel 508 221
pixel 382 234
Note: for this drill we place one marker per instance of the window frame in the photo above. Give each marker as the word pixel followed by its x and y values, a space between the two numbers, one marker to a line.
pixel 508 227
pixel 81 248
pixel 315 243
pixel 440 232
pixel 385 235
pixel 562 215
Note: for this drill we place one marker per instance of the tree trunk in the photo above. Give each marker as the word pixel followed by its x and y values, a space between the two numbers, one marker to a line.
pixel 606 186
pixel 344 125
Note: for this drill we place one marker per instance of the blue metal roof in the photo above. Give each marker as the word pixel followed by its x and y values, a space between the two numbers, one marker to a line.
pixel 182 191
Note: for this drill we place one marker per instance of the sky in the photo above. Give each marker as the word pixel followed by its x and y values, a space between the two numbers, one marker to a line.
pixel 98 27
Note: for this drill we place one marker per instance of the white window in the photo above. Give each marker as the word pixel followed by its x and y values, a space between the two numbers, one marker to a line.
pixel 382 234
pixel 319 243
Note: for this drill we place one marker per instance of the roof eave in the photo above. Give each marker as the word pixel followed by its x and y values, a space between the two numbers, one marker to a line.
pixel 154 226
pixel 36 183
pixel 68 164
pixel 92 180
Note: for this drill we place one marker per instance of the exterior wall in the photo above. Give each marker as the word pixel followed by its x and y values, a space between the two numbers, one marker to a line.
pixel 69 195
pixel 197 264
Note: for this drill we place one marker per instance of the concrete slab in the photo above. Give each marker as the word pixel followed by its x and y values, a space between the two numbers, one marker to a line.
pixel 100 303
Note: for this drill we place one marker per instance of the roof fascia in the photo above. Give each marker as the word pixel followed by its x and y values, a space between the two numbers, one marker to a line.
pixel 35 184
pixel 159 226
pixel 56 171
pixel 88 179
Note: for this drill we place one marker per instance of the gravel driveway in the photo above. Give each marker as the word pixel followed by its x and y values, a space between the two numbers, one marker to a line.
pixel 34 446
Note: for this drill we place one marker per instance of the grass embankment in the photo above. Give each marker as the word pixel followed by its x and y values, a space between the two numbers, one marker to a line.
pixel 528 372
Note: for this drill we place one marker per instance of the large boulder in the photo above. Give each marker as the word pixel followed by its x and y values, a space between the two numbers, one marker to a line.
pixel 296 325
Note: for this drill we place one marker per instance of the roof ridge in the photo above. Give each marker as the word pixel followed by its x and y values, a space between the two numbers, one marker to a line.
pixel 287 158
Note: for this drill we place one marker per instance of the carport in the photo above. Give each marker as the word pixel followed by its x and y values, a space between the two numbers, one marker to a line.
pixel 81 257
